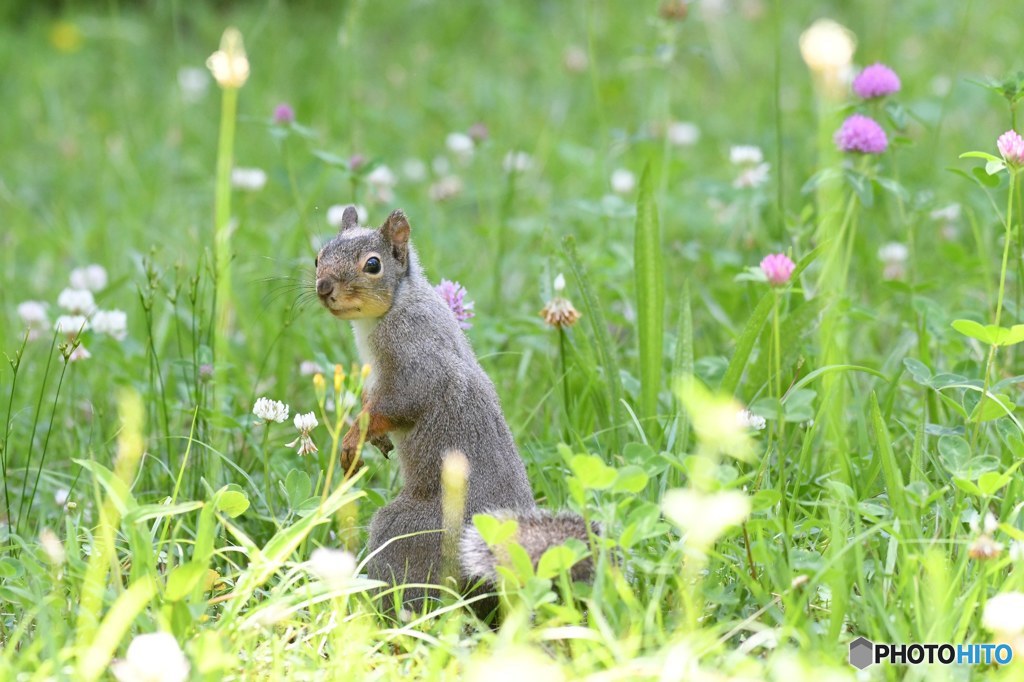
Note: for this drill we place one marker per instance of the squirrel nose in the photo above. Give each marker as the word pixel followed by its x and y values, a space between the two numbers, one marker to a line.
pixel 324 287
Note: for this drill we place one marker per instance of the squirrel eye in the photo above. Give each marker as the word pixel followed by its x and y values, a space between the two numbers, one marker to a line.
pixel 372 265
pixel 316 261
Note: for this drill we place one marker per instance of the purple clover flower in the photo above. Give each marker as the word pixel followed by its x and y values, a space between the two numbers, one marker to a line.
pixel 1011 146
pixel 284 114
pixel 861 134
pixel 778 268
pixel 454 294
pixel 877 80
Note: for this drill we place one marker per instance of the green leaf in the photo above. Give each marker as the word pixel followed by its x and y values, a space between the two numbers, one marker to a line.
pixel 519 558
pixel 555 560
pixel 148 512
pixel 592 472
pixel 798 405
pixel 297 487
pixel 984 179
pixel 9 568
pixel 630 479
pixel 974 330
pixel 231 502
pixel 863 188
pixel 650 298
pixel 989 408
pixel 495 532
pixel 1012 336
pixel 980 155
pixel 918 370
pixel 765 499
pixel 967 486
pixel 117 490
pixel 183 579
pixel 954 453
pixel 990 482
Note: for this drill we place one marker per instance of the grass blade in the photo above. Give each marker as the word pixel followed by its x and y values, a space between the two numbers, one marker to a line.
pixel 650 300
pixel 603 344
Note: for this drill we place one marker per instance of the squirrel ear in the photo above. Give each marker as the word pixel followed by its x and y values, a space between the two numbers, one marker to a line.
pixel 395 231
pixel 349 218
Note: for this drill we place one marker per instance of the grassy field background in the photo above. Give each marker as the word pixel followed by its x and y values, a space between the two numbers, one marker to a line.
pixel 139 496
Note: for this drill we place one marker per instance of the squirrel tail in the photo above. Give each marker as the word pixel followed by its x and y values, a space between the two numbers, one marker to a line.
pixel 537 531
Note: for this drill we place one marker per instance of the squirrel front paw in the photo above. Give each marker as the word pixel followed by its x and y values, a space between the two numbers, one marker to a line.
pixel 350 462
pixel 383 443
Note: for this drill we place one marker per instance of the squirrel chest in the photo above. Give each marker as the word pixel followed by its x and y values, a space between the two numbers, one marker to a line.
pixel 362 328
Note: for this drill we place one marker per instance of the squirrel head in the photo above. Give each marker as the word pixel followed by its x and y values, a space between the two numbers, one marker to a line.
pixel 359 270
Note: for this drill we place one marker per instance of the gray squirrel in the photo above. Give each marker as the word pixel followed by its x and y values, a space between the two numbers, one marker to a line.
pixel 428 395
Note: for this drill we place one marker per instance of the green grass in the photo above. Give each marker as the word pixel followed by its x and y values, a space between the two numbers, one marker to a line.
pixel 880 446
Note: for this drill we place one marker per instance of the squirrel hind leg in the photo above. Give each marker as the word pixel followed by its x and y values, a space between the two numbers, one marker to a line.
pixel 538 531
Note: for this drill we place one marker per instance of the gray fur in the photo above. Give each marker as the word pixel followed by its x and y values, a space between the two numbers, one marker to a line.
pixel 427 381
pixel 538 530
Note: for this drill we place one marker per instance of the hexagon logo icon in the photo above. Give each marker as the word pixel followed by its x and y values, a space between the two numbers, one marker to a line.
pixel 861 653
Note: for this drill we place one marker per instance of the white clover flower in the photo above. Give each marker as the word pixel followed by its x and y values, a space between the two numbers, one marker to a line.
pixel 517 162
pixel 893 252
pixel 77 301
pixel 33 315
pixel 92 277
pixel 414 170
pixel 154 657
pixel 461 145
pixel 448 187
pixel 61 496
pixel 248 179
pixel 336 567
pixel 335 213
pixel 32 312
pixel 752 176
pixel 1004 614
pixel 229 65
pixel 193 83
pixel 306 422
pixel 682 133
pixel 745 154
pixel 382 181
pixel 749 420
pixel 71 325
pixel 623 181
pixel 79 353
pixel 705 517
pixel 948 214
pixel 270 410
pixel 111 322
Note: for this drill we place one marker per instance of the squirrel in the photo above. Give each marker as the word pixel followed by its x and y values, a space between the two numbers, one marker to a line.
pixel 428 395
